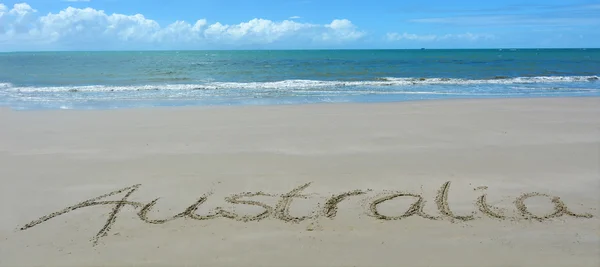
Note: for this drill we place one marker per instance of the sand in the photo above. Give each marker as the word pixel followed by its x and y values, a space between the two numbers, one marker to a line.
pixel 502 182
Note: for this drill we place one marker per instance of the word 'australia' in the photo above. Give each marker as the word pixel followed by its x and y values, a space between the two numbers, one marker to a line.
pixel 281 209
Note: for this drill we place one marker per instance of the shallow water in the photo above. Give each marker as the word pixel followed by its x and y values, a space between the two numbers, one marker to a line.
pixel 106 80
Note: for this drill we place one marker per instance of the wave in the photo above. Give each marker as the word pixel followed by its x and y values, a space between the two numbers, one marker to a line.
pixel 5 85
pixel 306 84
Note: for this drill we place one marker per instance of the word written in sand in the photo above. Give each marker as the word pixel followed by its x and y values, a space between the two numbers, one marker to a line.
pixel 281 210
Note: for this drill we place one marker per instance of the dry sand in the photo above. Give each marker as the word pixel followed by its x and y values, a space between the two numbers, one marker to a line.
pixel 434 183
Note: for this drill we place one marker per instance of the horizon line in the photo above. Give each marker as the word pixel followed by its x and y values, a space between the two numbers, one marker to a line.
pixel 302 49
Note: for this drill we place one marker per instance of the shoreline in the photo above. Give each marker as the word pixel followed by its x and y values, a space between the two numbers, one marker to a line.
pixel 299 105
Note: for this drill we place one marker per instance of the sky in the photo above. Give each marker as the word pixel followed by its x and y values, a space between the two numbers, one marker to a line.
pixel 40 25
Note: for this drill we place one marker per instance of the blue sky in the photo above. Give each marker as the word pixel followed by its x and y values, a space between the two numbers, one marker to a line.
pixel 296 24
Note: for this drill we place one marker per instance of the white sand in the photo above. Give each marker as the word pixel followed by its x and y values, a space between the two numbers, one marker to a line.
pixel 50 160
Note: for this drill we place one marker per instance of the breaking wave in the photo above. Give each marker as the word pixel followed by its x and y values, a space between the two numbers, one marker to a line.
pixel 305 84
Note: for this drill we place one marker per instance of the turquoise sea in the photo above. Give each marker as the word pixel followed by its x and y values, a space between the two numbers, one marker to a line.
pixel 108 80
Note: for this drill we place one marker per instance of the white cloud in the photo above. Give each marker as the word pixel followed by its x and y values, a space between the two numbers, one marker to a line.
pixel 341 30
pixel 295 17
pixel 409 36
pixel 432 37
pixel 3 10
pixel 513 20
pixel 256 31
pixel 19 18
pixel 88 28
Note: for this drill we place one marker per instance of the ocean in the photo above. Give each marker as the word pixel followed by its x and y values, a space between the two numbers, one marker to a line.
pixel 110 80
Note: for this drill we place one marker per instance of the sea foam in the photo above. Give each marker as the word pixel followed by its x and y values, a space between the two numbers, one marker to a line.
pixel 305 84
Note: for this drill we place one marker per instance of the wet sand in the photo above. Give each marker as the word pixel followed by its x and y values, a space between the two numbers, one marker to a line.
pixel 497 182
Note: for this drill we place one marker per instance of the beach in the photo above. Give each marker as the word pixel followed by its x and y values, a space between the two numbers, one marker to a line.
pixel 472 182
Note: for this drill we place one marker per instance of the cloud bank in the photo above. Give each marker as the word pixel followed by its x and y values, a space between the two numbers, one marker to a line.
pixel 22 28
pixel 432 37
